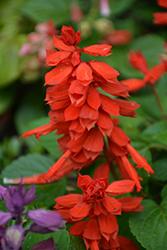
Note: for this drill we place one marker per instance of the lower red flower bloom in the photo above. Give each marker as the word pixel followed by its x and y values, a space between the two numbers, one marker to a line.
pixel 100 229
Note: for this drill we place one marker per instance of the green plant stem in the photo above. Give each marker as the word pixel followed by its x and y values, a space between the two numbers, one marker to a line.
pixel 158 101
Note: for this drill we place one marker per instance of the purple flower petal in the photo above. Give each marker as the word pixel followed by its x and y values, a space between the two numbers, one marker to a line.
pixel 2 191
pixel 29 197
pixel 45 244
pixel 13 238
pixel 45 218
pixel 4 217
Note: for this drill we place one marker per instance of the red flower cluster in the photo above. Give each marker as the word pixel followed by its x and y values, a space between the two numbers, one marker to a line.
pixel 96 204
pixel 150 76
pixel 81 113
pixel 160 18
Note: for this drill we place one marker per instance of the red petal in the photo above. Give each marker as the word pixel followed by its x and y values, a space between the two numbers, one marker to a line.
pixel 109 105
pixel 57 57
pixel 129 204
pixel 58 75
pixel 108 224
pixel 134 84
pixel 103 69
pixel 162 3
pixel 69 200
pixel 93 98
pixel 98 50
pixel 86 123
pixel 76 87
pixel 126 244
pixel 92 231
pixel 119 136
pixel 117 150
pixel 60 45
pixel 138 61
pixel 112 205
pixel 75 59
pixel 84 74
pixel 102 171
pixel 104 120
pixel 155 73
pixel 160 18
pixel 113 87
pixel 94 141
pixel 139 160
pixel 71 112
pixel 120 187
pixel 80 211
pixel 76 144
pixel 88 113
pixel 131 172
pixel 78 228
pixel 83 181
pixel 127 107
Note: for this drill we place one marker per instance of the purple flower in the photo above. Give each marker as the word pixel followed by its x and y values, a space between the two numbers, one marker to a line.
pixel 16 198
pixel 5 217
pixel 45 244
pixel 46 219
pixel 13 238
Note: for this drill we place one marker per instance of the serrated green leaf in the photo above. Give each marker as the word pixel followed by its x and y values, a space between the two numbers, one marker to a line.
pixel 149 225
pixel 76 243
pixel 30 164
pixel 41 10
pixel 61 238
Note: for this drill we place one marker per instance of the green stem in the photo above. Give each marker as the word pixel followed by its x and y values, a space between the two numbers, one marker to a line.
pixel 158 101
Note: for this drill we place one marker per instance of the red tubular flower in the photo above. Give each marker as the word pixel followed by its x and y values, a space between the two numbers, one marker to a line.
pixel 101 228
pixel 150 76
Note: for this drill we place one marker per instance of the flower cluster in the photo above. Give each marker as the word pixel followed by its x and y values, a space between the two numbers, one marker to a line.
pixel 82 114
pixel 98 205
pixel 44 221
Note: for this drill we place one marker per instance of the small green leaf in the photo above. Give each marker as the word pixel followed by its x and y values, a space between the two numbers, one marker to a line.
pixel 61 238
pixel 149 225
pixel 76 243
pixel 42 10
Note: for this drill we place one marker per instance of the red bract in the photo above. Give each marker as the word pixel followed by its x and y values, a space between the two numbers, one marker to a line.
pixel 119 37
pixel 79 112
pixel 101 228
pixel 150 76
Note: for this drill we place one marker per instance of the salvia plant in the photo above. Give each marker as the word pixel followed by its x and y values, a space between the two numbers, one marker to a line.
pixel 99 188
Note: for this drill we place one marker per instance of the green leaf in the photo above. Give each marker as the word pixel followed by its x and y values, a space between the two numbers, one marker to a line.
pixel 119 6
pixel 76 243
pixel 61 238
pixel 49 142
pixel 149 225
pixel 9 61
pixel 42 10
pixel 32 164
pixel 160 169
